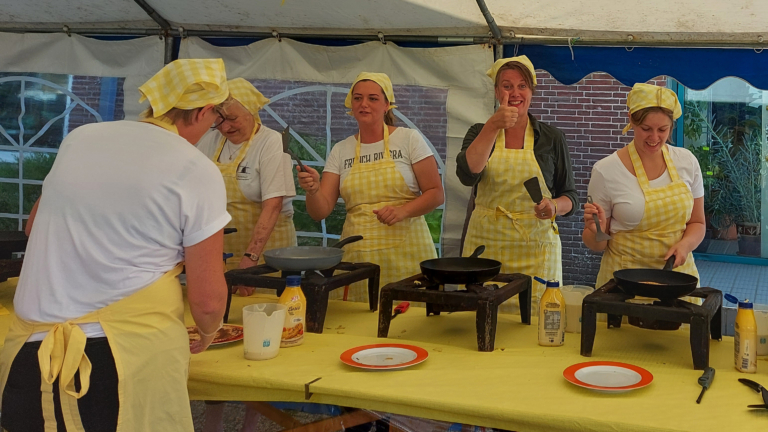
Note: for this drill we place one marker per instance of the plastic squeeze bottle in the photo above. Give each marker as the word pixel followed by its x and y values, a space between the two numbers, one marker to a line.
pixel 295 314
pixel 552 315
pixel 745 336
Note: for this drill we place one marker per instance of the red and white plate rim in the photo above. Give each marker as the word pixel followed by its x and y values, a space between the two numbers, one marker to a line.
pixel 570 374
pixel 421 355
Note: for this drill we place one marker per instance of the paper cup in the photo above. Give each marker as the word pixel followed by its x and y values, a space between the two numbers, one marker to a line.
pixel 262 330
pixel 573 295
pixel 761 317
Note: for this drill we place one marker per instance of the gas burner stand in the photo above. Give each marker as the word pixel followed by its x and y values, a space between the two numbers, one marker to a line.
pixel 483 299
pixel 315 285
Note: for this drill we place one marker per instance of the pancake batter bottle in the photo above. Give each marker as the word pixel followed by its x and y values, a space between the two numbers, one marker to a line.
pixel 295 314
pixel 744 336
pixel 552 316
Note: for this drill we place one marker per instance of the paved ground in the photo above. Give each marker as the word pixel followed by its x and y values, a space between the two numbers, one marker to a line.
pixel 741 280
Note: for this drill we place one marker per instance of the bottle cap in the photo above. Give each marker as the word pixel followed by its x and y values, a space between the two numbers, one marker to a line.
pixel 292 281
pixel 553 283
pixel 746 304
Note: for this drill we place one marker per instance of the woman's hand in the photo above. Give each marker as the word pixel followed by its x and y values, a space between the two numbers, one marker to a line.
pixel 545 209
pixel 389 215
pixel 200 345
pixel 505 116
pixel 589 220
pixel 310 180
pixel 680 250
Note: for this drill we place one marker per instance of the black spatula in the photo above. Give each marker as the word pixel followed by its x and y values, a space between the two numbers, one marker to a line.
pixel 534 189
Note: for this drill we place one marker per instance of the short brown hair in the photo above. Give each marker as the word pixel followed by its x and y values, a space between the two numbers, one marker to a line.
pixel 513 65
pixel 638 117
pixel 185 115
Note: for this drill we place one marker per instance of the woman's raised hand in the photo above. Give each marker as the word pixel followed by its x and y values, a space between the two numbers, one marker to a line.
pixel 505 116
pixel 309 180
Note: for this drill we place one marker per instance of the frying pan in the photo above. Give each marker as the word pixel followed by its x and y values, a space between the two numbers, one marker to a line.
pixel 307 258
pixel 461 271
pixel 664 284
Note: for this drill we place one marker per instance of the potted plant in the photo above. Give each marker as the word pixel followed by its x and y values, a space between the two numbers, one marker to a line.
pixel 742 169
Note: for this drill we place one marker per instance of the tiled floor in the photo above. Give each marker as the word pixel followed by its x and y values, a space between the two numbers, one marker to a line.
pixel 742 280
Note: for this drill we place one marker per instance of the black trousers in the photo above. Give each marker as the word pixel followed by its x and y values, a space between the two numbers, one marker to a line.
pixel 22 409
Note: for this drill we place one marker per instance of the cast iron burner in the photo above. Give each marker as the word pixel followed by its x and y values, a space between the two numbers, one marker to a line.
pixel 477 297
pixel 705 320
pixel 315 285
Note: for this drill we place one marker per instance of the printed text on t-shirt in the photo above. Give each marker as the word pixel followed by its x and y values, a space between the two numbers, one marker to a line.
pixel 395 154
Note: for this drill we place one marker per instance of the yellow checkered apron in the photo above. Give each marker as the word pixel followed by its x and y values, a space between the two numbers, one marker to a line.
pixel 397 249
pixel 667 211
pixel 504 221
pixel 245 214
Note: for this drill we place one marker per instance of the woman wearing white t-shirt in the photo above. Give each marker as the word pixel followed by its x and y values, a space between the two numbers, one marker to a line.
pixel 258 178
pixel 388 179
pixel 648 195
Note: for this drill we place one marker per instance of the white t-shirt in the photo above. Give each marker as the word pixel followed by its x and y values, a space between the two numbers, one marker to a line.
pixel 264 173
pixel 120 204
pixel 618 191
pixel 406 146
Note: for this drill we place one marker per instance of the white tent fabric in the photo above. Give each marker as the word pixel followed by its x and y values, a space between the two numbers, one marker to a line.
pixel 136 60
pixel 681 20
pixel 459 69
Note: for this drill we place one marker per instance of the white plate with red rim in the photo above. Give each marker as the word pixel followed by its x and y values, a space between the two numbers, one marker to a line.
pixel 384 356
pixel 607 376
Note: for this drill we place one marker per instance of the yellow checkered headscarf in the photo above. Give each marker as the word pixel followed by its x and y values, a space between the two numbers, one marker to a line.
pixel 523 60
pixel 379 78
pixel 647 95
pixel 245 93
pixel 186 84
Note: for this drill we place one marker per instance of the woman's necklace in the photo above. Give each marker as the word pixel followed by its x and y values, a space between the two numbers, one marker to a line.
pixel 231 153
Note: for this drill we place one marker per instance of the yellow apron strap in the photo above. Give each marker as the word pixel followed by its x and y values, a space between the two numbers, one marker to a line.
pixel 386 146
pixel 61 355
pixel 163 122
pixel 523 232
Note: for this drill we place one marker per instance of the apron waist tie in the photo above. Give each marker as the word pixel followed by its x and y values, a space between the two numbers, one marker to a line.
pixel 514 217
pixel 62 355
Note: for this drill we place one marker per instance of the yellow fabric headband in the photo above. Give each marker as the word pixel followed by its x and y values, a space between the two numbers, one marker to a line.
pixel 494 70
pixel 379 78
pixel 245 93
pixel 186 84
pixel 646 95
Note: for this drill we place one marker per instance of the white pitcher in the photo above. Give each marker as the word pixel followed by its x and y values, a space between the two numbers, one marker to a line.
pixel 262 330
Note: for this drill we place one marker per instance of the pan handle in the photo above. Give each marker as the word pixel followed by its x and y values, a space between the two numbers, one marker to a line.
pixel 348 240
pixel 670 263
pixel 480 249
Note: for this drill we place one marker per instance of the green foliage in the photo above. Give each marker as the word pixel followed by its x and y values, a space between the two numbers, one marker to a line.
pixel 435 223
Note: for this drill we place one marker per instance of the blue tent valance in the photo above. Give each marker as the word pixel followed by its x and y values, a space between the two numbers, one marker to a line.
pixel 696 68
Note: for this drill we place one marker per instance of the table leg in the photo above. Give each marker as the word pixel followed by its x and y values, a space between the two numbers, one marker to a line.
pixel 716 325
pixel 588 329
pixel 485 322
pixel 614 321
pixel 385 312
pixel 524 299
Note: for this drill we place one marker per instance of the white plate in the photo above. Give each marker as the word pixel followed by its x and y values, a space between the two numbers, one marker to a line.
pixel 608 377
pixel 384 356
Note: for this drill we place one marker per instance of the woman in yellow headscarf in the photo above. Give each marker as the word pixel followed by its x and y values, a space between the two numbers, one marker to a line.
pixel 496 158
pixel 388 178
pixel 257 175
pixel 98 341
pixel 649 195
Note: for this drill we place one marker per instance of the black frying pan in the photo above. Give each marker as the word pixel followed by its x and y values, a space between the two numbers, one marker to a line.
pixel 461 271
pixel 664 284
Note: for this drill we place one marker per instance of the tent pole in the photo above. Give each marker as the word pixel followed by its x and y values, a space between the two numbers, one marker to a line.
pixel 495 32
pixel 168 49
pixel 162 22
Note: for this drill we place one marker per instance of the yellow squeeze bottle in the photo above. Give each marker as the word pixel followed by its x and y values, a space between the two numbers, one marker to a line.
pixel 295 314
pixel 745 337
pixel 552 316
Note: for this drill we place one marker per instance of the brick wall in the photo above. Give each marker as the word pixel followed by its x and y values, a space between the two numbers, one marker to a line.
pixel 592 114
pixel 88 89
pixel 307 111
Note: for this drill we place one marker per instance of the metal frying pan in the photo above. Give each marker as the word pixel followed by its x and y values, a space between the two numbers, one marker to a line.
pixel 664 284
pixel 461 271
pixel 307 258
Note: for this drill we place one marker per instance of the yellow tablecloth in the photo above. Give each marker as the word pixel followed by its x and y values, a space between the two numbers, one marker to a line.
pixel 517 387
